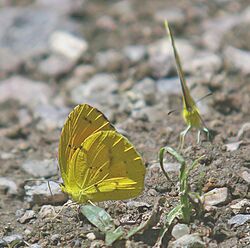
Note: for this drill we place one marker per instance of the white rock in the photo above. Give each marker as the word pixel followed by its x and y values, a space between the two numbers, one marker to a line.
pixel 91 236
pixel 239 219
pixel 216 196
pixel 243 206
pixel 41 168
pixel 244 131
pixel 68 45
pixel 174 16
pixel 9 184
pixel 135 53
pixel 180 230
pixel 28 215
pixel 25 91
pixel 188 240
pixel 244 173
pixel 233 146
pixel 40 194
pixel 237 59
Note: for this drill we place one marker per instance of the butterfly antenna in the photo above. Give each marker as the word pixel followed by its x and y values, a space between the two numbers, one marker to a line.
pixel 208 94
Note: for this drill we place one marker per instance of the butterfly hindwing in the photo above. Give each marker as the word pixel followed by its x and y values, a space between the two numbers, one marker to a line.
pixel 105 167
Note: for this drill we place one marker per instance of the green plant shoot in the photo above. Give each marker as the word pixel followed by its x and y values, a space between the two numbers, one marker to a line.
pixel 190 112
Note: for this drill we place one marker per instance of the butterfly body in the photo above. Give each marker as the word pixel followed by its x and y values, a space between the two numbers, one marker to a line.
pixel 190 112
pixel 97 163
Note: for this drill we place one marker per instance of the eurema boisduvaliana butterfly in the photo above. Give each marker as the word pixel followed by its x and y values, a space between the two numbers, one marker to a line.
pixel 96 162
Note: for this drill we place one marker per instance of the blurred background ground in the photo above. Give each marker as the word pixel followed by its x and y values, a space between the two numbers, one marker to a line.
pixel 114 55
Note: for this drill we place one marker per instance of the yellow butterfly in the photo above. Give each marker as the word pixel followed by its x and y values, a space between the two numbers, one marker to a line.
pixel 190 112
pixel 96 162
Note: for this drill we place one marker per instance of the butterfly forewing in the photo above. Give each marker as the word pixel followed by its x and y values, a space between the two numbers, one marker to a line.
pixel 82 122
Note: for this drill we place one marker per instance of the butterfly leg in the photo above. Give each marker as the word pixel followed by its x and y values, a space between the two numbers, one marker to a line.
pixel 198 136
pixel 182 137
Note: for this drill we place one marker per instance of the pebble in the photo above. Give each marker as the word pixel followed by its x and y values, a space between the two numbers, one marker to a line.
pixel 239 219
pixel 50 117
pixel 8 186
pixel 40 194
pixel 135 53
pixel 35 246
pixel 135 204
pixel 237 59
pixel 48 211
pixel 91 236
pixel 26 92
pixel 55 66
pixel 29 39
pixel 28 215
pixel 175 16
pixel 109 60
pixel 161 58
pixel 233 146
pixel 106 22
pixel 55 238
pixel 12 239
pixel 242 206
pixel 244 173
pixel 189 240
pixel 215 29
pixel 41 168
pixel 169 86
pixel 216 196
pixel 97 91
pixel 145 90
pixel 180 230
pixel 204 63
pixel 67 44
pixel 244 131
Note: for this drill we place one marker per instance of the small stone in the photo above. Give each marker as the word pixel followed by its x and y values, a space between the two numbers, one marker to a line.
pixel 239 219
pixel 55 65
pixel 91 236
pixel 106 22
pixel 6 156
pixel 109 60
pixel 97 91
pixel 216 196
pixel 55 238
pixel 27 92
pixel 233 146
pixel 204 63
pixel 8 185
pixel 83 72
pixel 35 246
pixel 40 168
pixel 13 239
pixel 28 215
pixel 244 131
pixel 145 90
pixel 47 211
pixel 180 230
pixel 169 86
pixel 40 194
pixel 27 232
pixel 161 58
pixel 237 59
pixel 215 29
pixel 189 240
pixel 68 45
pixel 242 206
pixel 135 53
pixel 244 173
pixel 50 117
pixel 175 16
pixel 135 204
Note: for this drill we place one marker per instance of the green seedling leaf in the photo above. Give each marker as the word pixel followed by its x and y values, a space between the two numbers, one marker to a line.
pixel 161 157
pixel 112 236
pixel 98 217
pixel 174 213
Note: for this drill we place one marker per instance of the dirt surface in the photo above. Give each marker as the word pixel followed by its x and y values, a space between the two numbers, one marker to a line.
pixel 32 113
